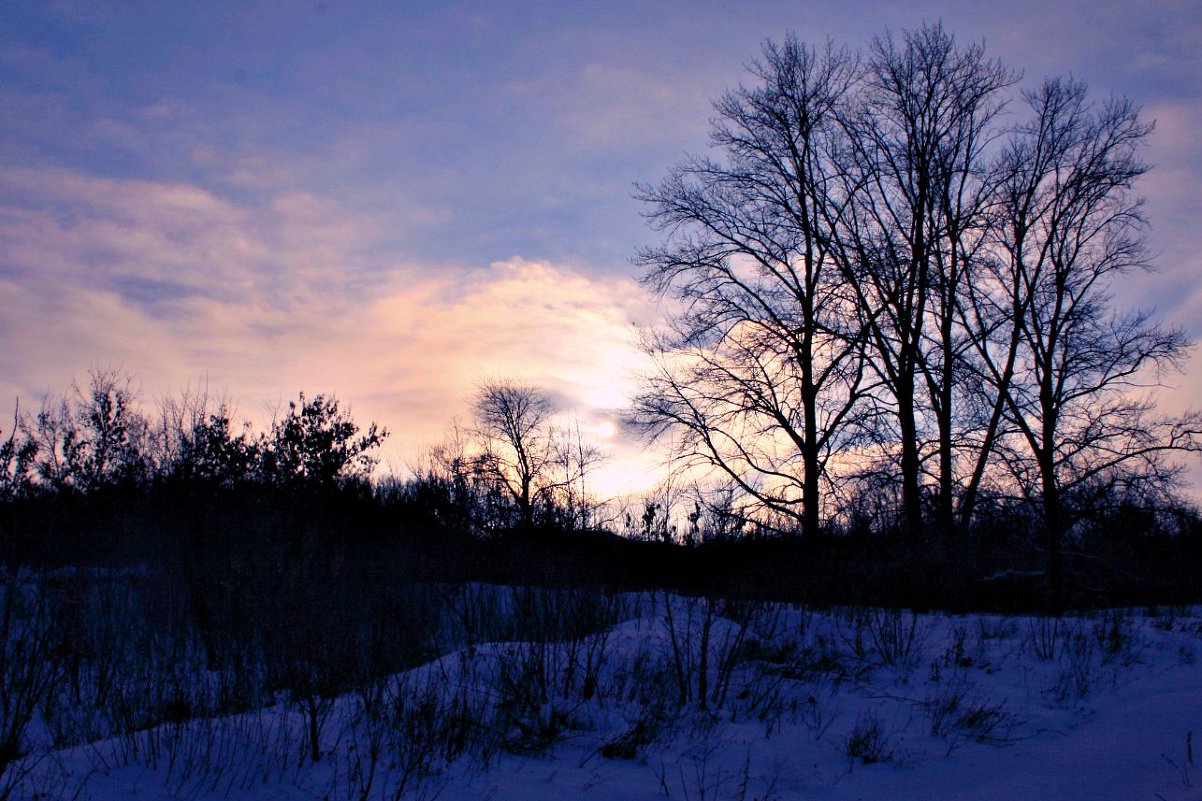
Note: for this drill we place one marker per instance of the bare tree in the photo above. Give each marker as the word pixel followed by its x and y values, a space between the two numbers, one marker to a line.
pixel 445 481
pixel 512 421
pixel 90 437
pixel 915 175
pixel 574 458
pixel 539 465
pixel 17 458
pixel 195 439
pixel 760 374
pixel 1075 376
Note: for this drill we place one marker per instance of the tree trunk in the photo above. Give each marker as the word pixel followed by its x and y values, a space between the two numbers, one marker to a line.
pixel 1053 525
pixel 910 465
pixel 944 514
pixel 810 460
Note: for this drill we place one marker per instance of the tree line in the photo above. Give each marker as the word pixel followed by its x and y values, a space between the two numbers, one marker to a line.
pixel 893 282
pixel 92 477
pixel 97 437
pixel 514 467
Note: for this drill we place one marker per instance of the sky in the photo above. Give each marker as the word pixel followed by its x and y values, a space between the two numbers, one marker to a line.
pixel 393 201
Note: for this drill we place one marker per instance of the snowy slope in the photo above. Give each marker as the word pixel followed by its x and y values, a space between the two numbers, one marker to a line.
pixel 842 704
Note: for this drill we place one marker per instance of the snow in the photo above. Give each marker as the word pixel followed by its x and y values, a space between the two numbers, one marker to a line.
pixel 838 704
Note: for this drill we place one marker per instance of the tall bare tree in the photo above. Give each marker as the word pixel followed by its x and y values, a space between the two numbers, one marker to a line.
pixel 916 176
pixel 760 372
pixel 1075 380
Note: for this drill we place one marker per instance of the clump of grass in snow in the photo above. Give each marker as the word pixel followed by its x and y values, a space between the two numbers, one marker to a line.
pixel 957 713
pixel 868 742
pixel 883 636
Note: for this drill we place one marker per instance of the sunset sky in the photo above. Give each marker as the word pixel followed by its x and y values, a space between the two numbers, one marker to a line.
pixel 391 201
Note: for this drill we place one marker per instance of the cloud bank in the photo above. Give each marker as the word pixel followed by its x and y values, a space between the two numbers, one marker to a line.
pixel 178 285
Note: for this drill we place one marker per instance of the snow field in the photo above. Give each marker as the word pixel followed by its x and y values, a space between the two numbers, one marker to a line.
pixel 693 698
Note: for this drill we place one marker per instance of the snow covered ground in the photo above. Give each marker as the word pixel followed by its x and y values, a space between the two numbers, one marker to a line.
pixel 798 704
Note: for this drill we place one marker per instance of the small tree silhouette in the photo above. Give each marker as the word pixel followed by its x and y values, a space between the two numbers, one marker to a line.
pixel 316 443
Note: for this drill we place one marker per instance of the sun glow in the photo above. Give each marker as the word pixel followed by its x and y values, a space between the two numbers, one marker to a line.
pixel 606 429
